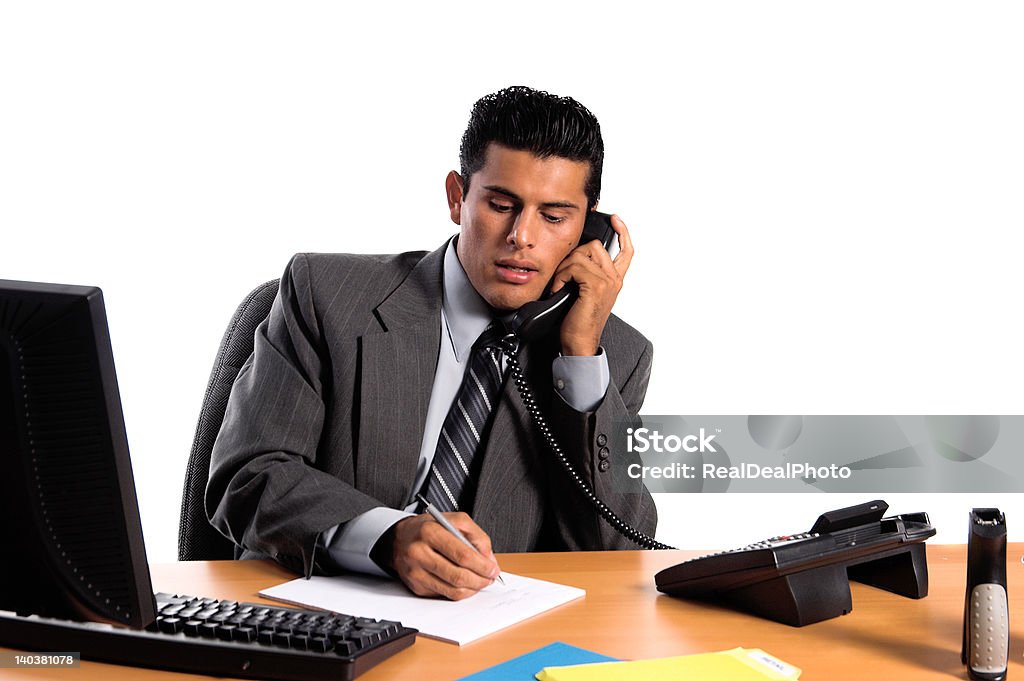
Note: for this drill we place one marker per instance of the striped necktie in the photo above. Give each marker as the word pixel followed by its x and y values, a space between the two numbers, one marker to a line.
pixel 450 486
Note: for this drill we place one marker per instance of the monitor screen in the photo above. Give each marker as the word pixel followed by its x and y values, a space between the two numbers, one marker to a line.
pixel 69 518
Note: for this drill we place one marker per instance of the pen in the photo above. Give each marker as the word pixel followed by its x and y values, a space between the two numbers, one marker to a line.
pixel 436 515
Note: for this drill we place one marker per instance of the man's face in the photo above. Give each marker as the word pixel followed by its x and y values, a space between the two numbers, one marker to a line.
pixel 522 215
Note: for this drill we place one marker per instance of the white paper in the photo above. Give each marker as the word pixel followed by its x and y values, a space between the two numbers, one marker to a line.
pixel 496 607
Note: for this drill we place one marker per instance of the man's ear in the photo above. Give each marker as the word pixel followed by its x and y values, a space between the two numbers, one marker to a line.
pixel 453 187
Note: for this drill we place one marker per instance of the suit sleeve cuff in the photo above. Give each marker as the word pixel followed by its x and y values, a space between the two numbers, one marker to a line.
pixel 581 381
pixel 348 545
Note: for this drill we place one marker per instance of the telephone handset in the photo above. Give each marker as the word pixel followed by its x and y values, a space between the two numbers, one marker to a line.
pixel 534 320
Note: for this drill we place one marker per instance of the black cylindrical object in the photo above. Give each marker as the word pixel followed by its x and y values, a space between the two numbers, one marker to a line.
pixel 986 614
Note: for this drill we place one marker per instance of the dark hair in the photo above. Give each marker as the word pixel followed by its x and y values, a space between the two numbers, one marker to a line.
pixel 525 119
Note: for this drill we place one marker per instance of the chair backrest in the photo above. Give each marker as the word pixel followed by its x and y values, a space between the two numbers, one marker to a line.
pixel 197 539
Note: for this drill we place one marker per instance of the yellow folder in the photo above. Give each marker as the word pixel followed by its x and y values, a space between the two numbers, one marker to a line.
pixel 739 664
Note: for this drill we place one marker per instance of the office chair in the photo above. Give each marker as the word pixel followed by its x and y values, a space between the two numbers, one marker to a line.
pixel 197 539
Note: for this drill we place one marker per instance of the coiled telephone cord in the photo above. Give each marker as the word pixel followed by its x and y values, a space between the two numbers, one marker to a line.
pixel 510 346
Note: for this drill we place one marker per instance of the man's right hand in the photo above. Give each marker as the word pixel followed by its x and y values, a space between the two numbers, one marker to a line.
pixel 432 562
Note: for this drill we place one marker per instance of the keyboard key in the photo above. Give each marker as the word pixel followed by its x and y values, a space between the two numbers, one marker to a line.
pixel 168 598
pixel 243 634
pixel 345 647
pixel 170 625
pixel 375 626
pixel 342 620
pixel 336 639
pixel 364 641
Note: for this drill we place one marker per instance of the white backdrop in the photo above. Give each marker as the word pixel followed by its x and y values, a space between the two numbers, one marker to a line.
pixel 826 198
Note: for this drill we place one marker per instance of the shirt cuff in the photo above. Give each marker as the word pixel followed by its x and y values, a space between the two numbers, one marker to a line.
pixel 349 544
pixel 581 381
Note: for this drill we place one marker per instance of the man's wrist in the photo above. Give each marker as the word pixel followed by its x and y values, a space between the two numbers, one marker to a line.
pixel 576 348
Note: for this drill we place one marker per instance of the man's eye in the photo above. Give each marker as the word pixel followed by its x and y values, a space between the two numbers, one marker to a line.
pixel 553 219
pixel 500 207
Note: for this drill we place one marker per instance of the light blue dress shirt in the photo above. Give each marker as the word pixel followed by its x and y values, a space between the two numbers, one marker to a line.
pixel 581 382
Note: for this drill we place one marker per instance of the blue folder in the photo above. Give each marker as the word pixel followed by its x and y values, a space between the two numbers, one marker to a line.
pixel 524 667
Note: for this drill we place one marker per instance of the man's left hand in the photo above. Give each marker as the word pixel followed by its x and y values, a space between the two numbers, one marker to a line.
pixel 599 279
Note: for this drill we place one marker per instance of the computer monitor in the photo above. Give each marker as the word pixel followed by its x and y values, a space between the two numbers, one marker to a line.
pixel 69 518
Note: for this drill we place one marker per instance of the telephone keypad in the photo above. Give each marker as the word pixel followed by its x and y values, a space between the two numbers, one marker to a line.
pixel 769 543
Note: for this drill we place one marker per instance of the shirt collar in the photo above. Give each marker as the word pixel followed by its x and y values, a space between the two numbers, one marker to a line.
pixel 464 313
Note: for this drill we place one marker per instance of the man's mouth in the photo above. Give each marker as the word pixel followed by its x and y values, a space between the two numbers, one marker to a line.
pixel 517 265
pixel 516 271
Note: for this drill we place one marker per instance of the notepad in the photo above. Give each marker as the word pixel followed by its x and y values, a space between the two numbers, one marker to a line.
pixel 461 622
pixel 739 664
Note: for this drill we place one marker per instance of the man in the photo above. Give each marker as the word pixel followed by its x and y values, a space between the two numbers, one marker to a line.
pixel 364 370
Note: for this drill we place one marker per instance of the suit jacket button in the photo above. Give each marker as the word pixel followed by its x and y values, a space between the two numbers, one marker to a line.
pixel 602 440
pixel 602 453
pixel 603 466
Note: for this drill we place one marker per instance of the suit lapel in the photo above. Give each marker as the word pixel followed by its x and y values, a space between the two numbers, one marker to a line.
pixel 510 462
pixel 398 361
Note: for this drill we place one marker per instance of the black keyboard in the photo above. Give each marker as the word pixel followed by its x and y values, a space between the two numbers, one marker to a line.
pixel 224 638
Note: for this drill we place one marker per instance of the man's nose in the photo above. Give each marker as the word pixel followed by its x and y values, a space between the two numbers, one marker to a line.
pixel 524 231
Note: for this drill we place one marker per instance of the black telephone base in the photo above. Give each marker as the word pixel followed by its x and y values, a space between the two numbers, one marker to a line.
pixel 802 579
pixel 823 593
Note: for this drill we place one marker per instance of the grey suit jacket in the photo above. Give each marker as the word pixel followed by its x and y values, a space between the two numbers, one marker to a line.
pixel 326 419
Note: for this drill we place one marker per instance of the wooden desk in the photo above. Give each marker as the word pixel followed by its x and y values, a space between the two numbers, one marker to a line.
pixel 885 637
